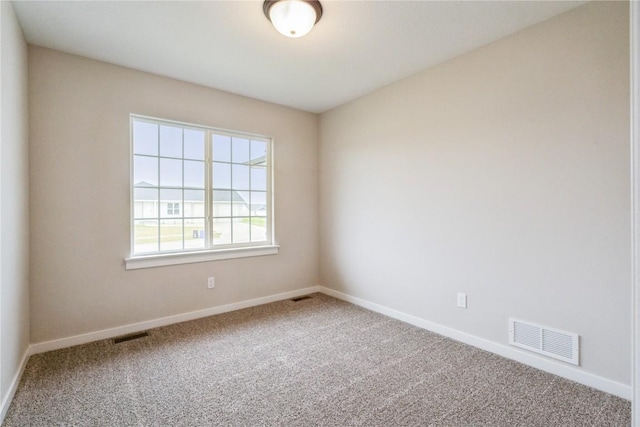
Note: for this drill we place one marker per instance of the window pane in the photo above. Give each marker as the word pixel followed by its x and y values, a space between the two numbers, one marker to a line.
pixel 258 229
pixel 145 138
pixel 190 195
pixel 193 174
pixel 221 175
pixel 221 203
pixel 193 144
pixel 241 230
pixel 170 173
pixel 240 150
pixel 194 234
pixel 258 203
pixel 145 202
pixel 170 234
pixel 171 195
pixel 221 231
pixel 240 201
pixel 170 203
pixel 145 236
pixel 258 152
pixel 145 171
pixel 194 203
pixel 221 148
pixel 259 178
pixel 240 177
pixel 170 141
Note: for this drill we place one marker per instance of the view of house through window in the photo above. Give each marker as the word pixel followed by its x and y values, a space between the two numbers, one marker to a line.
pixel 197 188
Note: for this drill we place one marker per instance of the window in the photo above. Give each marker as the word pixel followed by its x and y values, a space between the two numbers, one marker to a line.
pixel 173 208
pixel 198 189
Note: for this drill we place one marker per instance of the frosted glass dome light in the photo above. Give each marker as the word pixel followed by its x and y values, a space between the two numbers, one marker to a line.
pixel 293 18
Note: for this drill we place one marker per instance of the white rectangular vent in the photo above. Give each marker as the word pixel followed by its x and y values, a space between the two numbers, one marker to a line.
pixel 550 342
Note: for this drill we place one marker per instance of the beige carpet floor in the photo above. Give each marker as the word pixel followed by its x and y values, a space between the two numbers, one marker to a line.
pixel 316 362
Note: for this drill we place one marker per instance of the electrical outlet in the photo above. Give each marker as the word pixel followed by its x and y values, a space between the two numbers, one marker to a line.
pixel 211 282
pixel 462 300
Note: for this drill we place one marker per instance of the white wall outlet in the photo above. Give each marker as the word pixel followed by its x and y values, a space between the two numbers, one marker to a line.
pixel 211 282
pixel 462 300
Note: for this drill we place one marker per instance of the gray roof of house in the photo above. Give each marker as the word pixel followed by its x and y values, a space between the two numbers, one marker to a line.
pixel 227 196
pixel 145 191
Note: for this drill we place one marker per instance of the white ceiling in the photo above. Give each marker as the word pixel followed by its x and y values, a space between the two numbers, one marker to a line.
pixel 357 47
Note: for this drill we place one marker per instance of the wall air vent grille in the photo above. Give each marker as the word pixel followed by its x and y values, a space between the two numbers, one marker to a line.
pixel 550 342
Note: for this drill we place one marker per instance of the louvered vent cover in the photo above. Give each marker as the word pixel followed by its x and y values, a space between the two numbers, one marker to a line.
pixel 130 337
pixel 550 342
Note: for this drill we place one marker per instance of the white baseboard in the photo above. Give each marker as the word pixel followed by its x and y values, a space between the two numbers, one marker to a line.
pixel 557 368
pixel 164 321
pixel 8 397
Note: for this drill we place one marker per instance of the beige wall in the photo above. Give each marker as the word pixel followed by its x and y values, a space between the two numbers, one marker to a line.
pixel 80 197
pixel 503 174
pixel 14 192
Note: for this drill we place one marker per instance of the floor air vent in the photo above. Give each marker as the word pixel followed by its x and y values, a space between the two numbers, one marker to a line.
pixel 130 337
pixel 300 298
pixel 550 342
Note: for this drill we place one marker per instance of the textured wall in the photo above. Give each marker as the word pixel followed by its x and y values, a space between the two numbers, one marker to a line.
pixel 504 174
pixel 80 197
pixel 14 204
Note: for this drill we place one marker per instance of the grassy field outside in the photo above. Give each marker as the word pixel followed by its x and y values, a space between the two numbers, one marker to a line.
pixel 259 221
pixel 172 233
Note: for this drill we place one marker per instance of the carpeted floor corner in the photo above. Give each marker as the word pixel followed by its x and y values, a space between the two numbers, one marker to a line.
pixel 316 362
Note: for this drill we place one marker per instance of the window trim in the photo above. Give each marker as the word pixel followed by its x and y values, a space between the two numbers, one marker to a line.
pixel 189 257
pixel 210 252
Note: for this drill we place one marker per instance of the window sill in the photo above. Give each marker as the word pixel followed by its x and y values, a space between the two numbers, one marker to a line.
pixel 150 261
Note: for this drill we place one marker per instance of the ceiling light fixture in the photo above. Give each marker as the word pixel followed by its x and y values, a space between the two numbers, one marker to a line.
pixel 293 18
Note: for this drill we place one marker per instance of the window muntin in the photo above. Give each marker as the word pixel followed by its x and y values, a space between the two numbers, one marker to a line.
pixel 198 188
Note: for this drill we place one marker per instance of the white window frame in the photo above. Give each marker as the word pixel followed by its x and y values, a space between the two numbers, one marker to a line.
pixel 211 252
